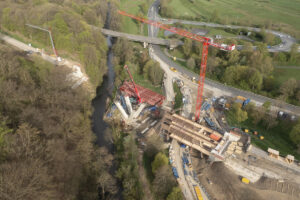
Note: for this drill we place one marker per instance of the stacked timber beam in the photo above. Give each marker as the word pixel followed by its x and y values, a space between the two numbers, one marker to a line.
pixel 190 133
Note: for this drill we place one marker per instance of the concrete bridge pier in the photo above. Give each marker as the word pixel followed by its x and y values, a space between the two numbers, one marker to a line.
pixel 145 45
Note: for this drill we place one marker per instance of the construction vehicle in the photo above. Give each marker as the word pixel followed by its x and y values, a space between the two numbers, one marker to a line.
pixel 209 122
pixel 242 101
pixel 245 180
pixel 198 192
pixel 173 69
pixel 204 40
pixel 135 88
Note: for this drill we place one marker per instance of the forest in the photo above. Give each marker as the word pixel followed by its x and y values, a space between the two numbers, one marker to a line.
pixel 46 143
pixel 47 147
pixel 71 23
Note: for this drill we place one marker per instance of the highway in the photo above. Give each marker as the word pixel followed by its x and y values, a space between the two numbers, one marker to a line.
pixel 217 88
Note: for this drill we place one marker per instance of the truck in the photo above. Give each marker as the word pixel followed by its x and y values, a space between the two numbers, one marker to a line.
pixel 209 122
pixel 198 192
pixel 175 172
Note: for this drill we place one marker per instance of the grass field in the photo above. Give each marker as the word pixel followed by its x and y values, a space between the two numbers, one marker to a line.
pixel 128 24
pixel 282 75
pixel 255 12
pixel 178 97
pixel 140 80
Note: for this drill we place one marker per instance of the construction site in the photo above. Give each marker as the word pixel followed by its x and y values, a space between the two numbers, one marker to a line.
pixel 209 159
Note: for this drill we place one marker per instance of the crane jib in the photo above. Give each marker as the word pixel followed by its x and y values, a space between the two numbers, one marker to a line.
pixel 204 40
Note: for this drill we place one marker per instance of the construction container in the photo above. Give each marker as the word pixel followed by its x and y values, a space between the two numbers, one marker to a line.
pixel 261 137
pixel 246 131
pixel 245 180
pixel 214 137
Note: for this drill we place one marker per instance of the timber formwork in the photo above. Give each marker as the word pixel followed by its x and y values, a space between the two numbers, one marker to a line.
pixel 190 133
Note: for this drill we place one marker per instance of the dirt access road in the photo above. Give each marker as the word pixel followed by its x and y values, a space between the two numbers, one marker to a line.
pixel 227 185
pixel 77 75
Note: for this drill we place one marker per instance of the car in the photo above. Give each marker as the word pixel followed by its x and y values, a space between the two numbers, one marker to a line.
pixel 194 79
pixel 173 69
pixel 29 52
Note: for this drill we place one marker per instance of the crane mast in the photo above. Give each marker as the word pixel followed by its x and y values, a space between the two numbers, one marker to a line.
pixel 206 42
pixel 135 88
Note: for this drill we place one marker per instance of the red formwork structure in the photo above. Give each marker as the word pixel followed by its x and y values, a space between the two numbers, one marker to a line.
pixel 146 95
pixel 135 88
pixel 206 42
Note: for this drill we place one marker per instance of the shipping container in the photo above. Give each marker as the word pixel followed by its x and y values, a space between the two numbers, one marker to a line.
pixel 214 137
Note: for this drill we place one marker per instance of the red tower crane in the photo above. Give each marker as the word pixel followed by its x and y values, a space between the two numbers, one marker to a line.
pixel 135 88
pixel 206 42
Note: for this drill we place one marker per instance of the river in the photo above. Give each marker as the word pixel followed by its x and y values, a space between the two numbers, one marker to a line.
pixel 104 138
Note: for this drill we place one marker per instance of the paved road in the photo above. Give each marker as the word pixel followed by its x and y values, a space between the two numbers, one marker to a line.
pixel 216 87
pixel 287 40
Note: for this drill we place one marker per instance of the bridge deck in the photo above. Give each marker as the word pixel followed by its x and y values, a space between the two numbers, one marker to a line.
pixel 190 133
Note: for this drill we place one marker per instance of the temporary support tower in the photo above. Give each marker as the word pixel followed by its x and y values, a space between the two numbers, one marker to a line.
pixel 205 41
pixel 135 88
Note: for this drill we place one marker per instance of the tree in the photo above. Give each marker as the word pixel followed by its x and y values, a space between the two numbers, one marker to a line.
pixel 298 95
pixel 247 48
pixel 289 87
pixel 269 83
pixel 237 113
pixel 233 57
pixel 267 105
pixel 255 80
pixel 269 121
pixel 153 72
pixel 187 46
pixel 261 62
pixel 294 55
pixel 295 134
pixel 160 160
pixel 154 145
pixel 256 114
pixel 176 194
pixel 163 182
pixel 269 38
pixel 191 63
pixel 198 48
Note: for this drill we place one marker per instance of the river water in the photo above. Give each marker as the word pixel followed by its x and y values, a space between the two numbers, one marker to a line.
pixel 104 138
